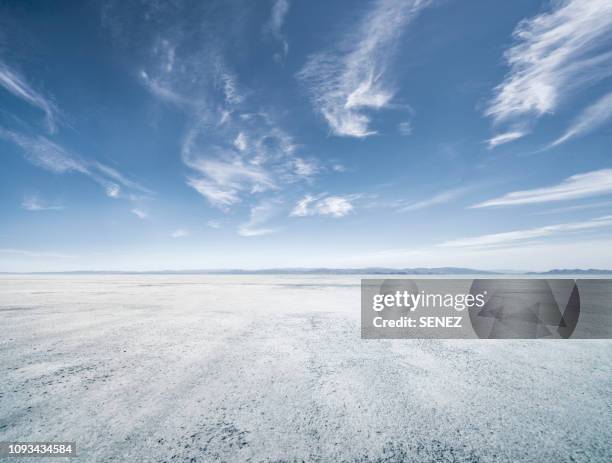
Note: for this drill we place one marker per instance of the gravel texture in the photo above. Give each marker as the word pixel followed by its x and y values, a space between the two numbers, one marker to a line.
pixel 271 369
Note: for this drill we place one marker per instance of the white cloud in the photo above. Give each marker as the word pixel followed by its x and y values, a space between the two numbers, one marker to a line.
pixel 595 183
pixel 50 156
pixel 277 17
pixel 15 84
pixel 303 207
pixel 260 157
pixel 233 149
pixel 506 137
pixel 260 214
pixel 305 168
pixel 224 117
pixel 555 53
pixel 405 128
pixel 440 198
pixel 166 51
pixel 214 224
pixel 223 181
pixel 142 215
pixel 180 233
pixel 217 196
pixel 241 142
pixel 335 206
pixel 348 82
pixel 112 190
pixel 117 176
pixel 590 119
pixel 280 8
pixel 509 239
pixel 34 203
pixel 42 152
pixel 230 88
pixel 162 90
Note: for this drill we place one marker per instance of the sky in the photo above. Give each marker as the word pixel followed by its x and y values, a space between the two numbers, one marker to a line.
pixel 152 135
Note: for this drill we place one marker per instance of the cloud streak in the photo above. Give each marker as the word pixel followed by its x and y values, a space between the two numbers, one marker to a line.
pixel 11 81
pixel 43 153
pixel 334 206
pixel 348 82
pixel 180 233
pixel 280 8
pixel 555 54
pixel 505 137
pixel 46 154
pixel 34 204
pixel 440 198
pixel 223 181
pixel 595 183
pixel 591 118
pixel 247 155
pixel 142 215
pixel 509 239
pixel 232 150
pixel 259 216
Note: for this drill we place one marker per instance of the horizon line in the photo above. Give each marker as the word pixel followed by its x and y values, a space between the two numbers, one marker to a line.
pixel 320 270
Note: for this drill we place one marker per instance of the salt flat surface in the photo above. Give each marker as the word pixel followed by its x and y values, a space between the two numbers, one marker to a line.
pixel 272 368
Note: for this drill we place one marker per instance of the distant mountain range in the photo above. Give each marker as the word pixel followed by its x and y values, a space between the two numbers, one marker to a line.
pixel 573 271
pixel 330 271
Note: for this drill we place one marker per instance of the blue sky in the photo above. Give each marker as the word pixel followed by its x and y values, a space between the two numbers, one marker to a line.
pixel 239 134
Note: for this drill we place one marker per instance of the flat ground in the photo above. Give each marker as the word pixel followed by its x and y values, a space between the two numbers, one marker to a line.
pixel 272 368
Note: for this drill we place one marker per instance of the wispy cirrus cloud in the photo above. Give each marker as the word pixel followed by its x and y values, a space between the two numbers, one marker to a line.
pixel 141 214
pixel 260 158
pixel 117 176
pixel 513 238
pixel 505 137
pixel 590 119
pixel 34 203
pixel 235 149
pixel 595 183
pixel 180 233
pixel 349 81
pixel 44 153
pixel 405 128
pixel 437 199
pixel 14 83
pixel 305 167
pixel 162 90
pixel 224 176
pixel 334 206
pixel 555 54
pixel 218 196
pixel 259 216
pixel 240 142
pixel 280 8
